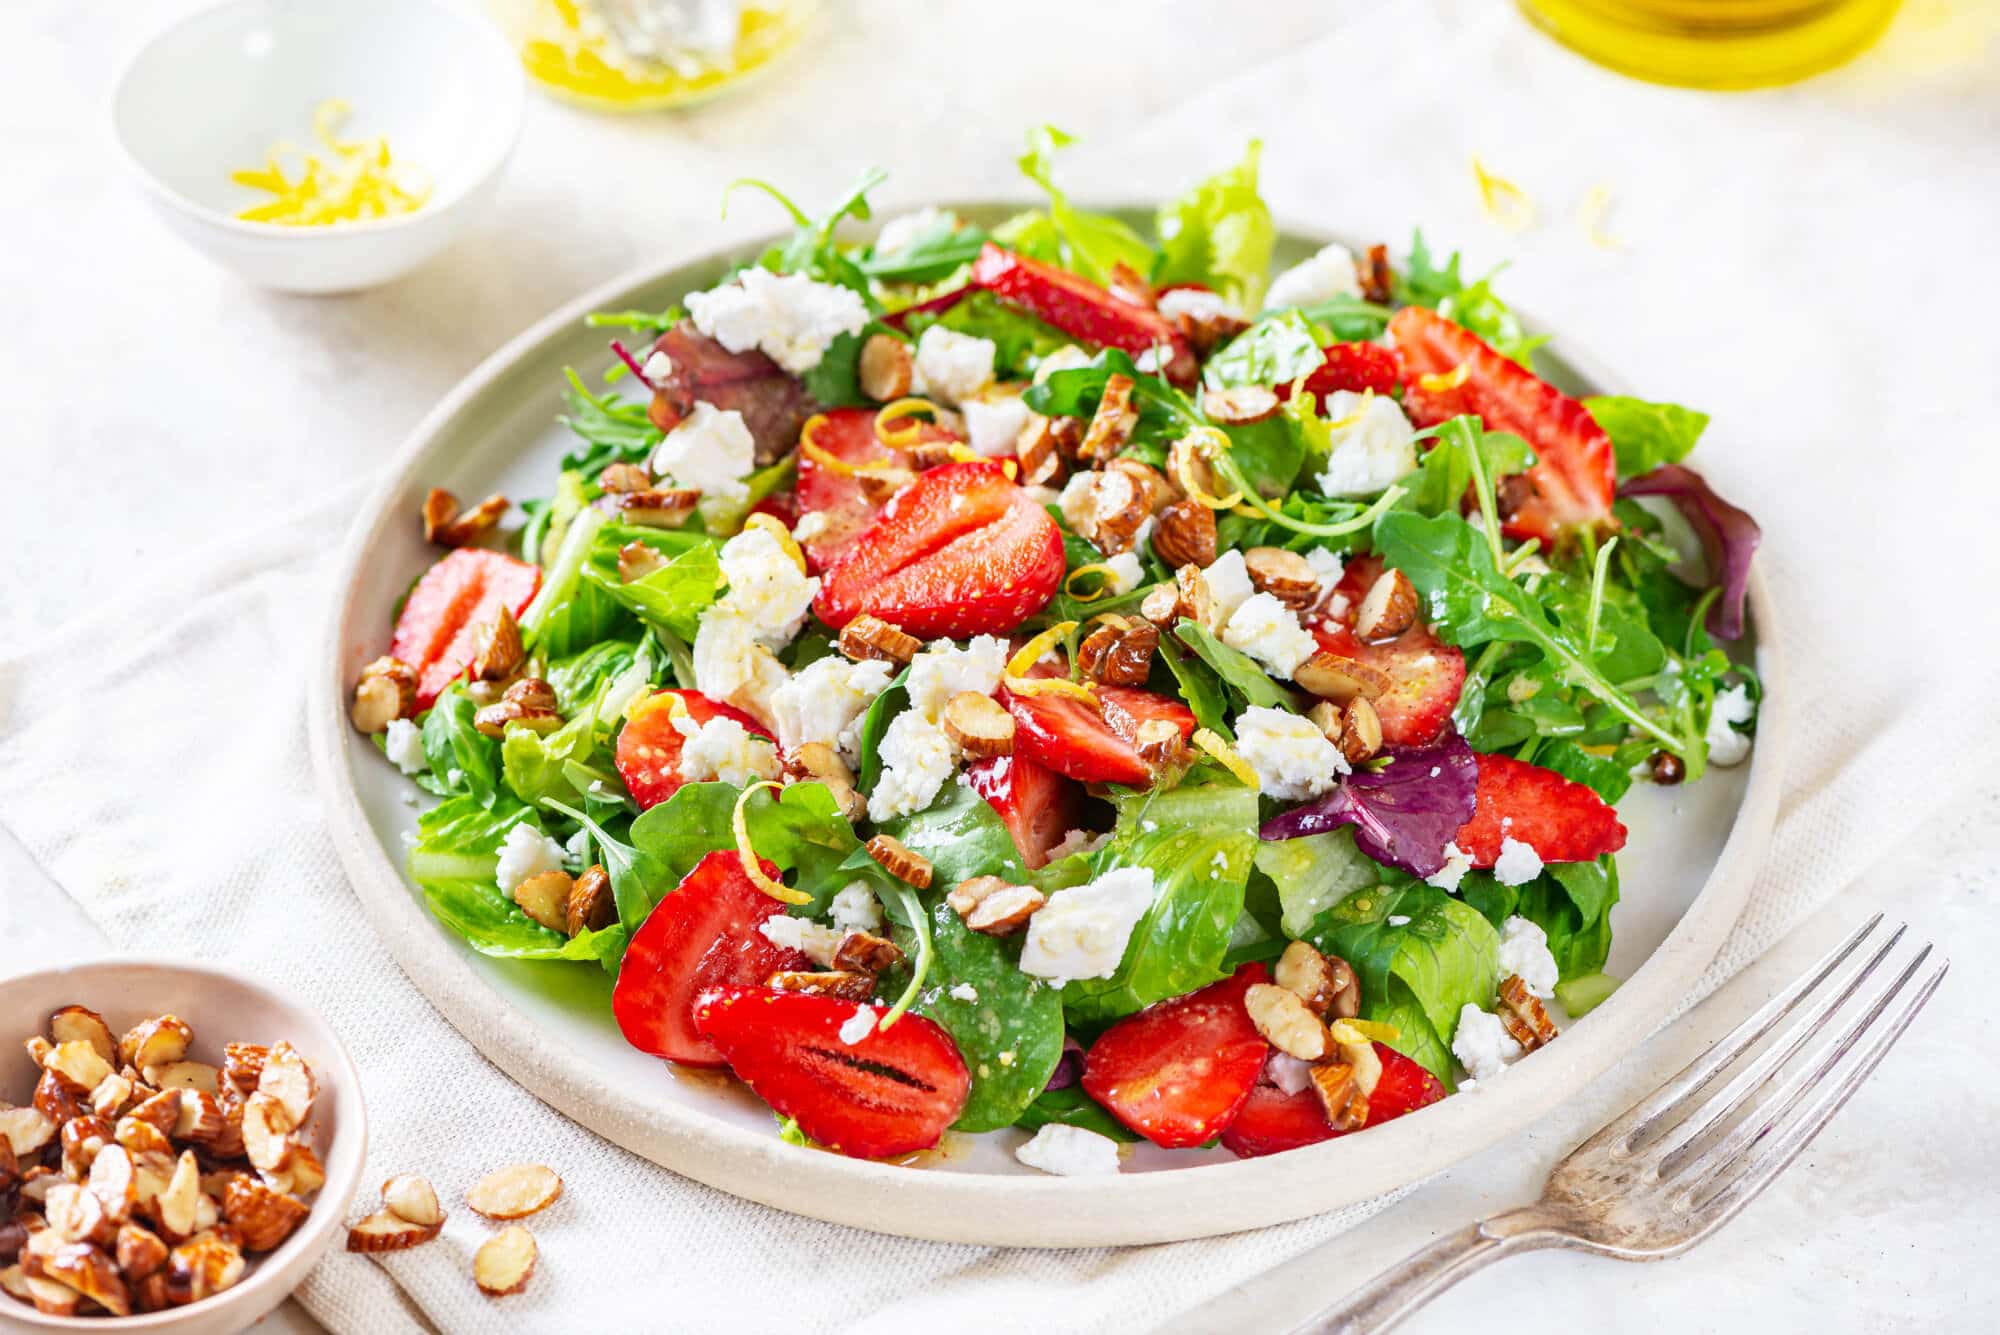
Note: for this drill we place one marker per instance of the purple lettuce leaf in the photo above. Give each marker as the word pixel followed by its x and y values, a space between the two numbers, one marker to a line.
pixel 1729 537
pixel 1404 813
pixel 1069 1067
pixel 633 365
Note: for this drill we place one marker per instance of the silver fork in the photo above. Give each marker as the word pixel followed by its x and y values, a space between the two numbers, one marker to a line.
pixel 1682 1161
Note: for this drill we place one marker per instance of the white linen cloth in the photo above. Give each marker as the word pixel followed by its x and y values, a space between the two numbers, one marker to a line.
pixel 1809 265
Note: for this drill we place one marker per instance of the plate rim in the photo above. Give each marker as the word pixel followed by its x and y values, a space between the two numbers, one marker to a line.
pixel 1165 1205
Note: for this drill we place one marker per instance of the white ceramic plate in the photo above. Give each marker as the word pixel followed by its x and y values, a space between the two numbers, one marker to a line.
pixel 1686 873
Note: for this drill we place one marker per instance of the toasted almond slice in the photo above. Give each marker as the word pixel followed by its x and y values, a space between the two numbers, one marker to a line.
pixel 1006 910
pixel 636 560
pixel 979 724
pixel 59 1098
pixel 1388 608
pixel 176 1206
pixel 1159 741
pixel 75 1214
pixel 1346 1107
pixel 15 1284
pixel 865 952
pixel 1240 406
pixel 304 1169
pixel 114 1178
pixel 82 1138
pixel 182 1075
pixel 544 897
pixel 139 1137
pixel 139 1251
pixel 386 1231
pixel 155 1042
pixel 80 1024
pixel 243 1064
pixel 885 367
pixel 262 1217
pixel 162 1110
pixel 411 1197
pixel 1340 679
pixel 51 1298
pixel 206 1265
pixel 867 637
pixel 151 1173
pixel 36 1182
pixel 82 1267
pixel 514 1192
pixel 200 1117
pixel 38 1049
pixel 266 1125
pixel 111 1095
pixel 26 1130
pixel 1284 575
pixel 504 1262
pixel 846 984
pixel 289 1080
pixel 899 861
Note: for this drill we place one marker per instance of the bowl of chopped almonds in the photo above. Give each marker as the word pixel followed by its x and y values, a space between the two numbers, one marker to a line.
pixel 178 1146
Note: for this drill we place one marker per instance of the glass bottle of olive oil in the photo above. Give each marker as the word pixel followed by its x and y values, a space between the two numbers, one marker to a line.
pixel 1715 43
pixel 641 55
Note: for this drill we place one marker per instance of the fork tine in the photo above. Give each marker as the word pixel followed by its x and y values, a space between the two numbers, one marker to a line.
pixel 1696 1075
pixel 1758 1073
pixel 1792 1136
pixel 1768 1115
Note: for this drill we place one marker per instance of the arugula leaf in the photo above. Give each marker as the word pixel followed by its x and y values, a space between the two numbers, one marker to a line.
pixel 653 323
pixel 1422 282
pixel 930 257
pixel 1201 687
pixel 1645 435
pixel 1316 872
pixel 1570 901
pixel 1276 350
pixel 811 250
pixel 1070 1106
pixel 613 429
pixel 1199 841
pixel 1421 956
pixel 1019 339
pixel 639 880
pixel 1089 244
pixel 462 759
pixel 1219 234
pixel 1446 470
pixel 1239 672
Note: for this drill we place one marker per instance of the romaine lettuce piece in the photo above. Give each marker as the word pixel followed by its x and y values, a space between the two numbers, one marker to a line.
pixel 1219 234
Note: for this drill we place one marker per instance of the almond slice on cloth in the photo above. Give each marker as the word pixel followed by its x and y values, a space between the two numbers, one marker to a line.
pixel 385 1231
pixel 514 1192
pixel 411 1197
pixel 504 1262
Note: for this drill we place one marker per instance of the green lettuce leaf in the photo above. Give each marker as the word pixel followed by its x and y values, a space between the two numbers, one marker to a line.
pixel 1245 681
pixel 801 830
pixel 1277 350
pixel 1314 873
pixel 1072 1107
pixel 1219 234
pixel 1087 243
pixel 671 598
pixel 462 759
pixel 1645 435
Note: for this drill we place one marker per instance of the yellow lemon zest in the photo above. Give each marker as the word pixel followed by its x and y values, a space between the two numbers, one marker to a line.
pixel 1204 442
pixel 1591 213
pixel 1211 742
pixel 1503 201
pixel 1364 1031
pixel 826 459
pixel 667 700
pixel 1361 411
pixel 1090 593
pixel 892 414
pixel 1439 383
pixel 775 526
pixel 777 890
pixel 357 180
pixel 1075 690
pixel 1031 653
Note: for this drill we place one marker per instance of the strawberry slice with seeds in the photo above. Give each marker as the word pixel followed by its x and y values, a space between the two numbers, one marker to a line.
pixel 1425 674
pixel 1179 1072
pixel 702 936
pixel 888 1092
pixel 1355 367
pixel 1081 309
pixel 1562 820
pixel 1092 743
pixel 648 754
pixel 961 551
pixel 1575 476
pixel 842 496
pixel 434 631
pixel 1038 805
pixel 1273 1121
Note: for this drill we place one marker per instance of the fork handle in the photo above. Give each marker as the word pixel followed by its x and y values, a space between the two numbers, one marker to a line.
pixel 1400 1290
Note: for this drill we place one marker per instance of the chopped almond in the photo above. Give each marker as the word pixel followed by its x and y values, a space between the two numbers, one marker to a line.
pixel 864 952
pixel 545 898
pixel 1284 575
pixel 1523 1014
pixel 200 1118
pixel 899 861
pixel 1159 742
pixel 1119 651
pixel 1241 406
pixel 1345 1105
pixel 497 652
pixel 846 984
pixel 139 1137
pixel 1333 677
pixel 385 692
pixel 589 907
pixel 1111 426
pixel 1388 608
pixel 243 1064
pixel 624 477
pixel 265 1128
pixel 175 1207
pixel 385 1231
pixel 87 1270
pixel 413 1198
pixel 113 1092
pixel 504 1262
pixel 114 1179
pixel 206 1265
pixel 979 724
pixel 1005 911
pixel 514 1192
pixel 867 637
pixel 156 1042
pixel 59 1098
pixel 183 1075
pixel 80 1024
pixel 1185 534
pixel 263 1218
pixel 1285 1022
pixel 140 1252
pixel 885 367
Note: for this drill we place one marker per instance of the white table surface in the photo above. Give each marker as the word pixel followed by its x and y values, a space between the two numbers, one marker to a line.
pixel 155 405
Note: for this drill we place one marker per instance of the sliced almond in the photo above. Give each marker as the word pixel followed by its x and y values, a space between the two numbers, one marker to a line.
pixel 49 1297
pixel 885 367
pixel 847 984
pixel 514 1192
pixel 636 560
pixel 1337 678
pixel 303 1168
pixel 867 637
pixel 1161 605
pixel 504 1262
pixel 624 477
pixel 1239 406
pixel 14 1284
pixel 545 897
pixel 26 1130
pixel 412 1198
pixel 1360 734
pixel 656 507
pixel 262 1217
pixel 75 1214
pixel 497 652
pixel 865 952
pixel 139 1251
pixel 1284 575
pixel 38 1049
pixel 1197 601
pixel 979 724
pixel 590 906
pixel 59 1098
pixel 111 1095
pixel 243 1064
pixel 1346 1107
pixel 1184 534
pixel 175 1206
pixel 84 1268
pixel 265 1128
pixel 1285 1022
pixel 385 1231
pixel 80 1024
pixel 115 1180
pixel 899 861
pixel 156 1042
pixel 1005 911
pixel 36 1182
pixel 206 1265
pixel 83 1138
pixel 198 1118
pixel 1111 426
pixel 288 1079
pixel 1388 608
pixel 1159 741
pixel 139 1137
pixel 182 1075
pixel 151 1175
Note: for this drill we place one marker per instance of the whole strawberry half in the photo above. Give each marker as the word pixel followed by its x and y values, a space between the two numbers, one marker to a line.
pixel 1562 820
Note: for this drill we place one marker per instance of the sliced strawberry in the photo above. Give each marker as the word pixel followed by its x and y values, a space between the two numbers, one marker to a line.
pixel 1425 674
pixel 1080 308
pixel 1094 744
pixel 772 403
pixel 848 435
pixel 703 935
pixel 1273 1121
pixel 782 506
pixel 1355 367
pixel 960 551
pixel 1178 1072
pixel 1126 707
pixel 1562 820
pixel 648 754
pixel 1575 477
pixel 434 632
pixel 1038 805
pixel 889 1092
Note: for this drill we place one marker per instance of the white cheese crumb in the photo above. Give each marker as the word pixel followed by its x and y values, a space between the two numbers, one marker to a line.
pixel 1068 357
pixel 951 366
pixel 1372 450
pixel 1328 567
pixel 1457 862
pixel 1524 950
pixel 729 662
pixel 994 420
pixel 1482 1044
pixel 816 941
pixel 1726 746
pixel 1197 303
pixel 1293 759
pixel 1288 1072
pixel 766 585
pixel 812 524
pixel 1078 841
pixel 917 758
pixel 1398 920
pixel 965 992
pixel 791 318
pixel 711 451
pixel 1069 1151
pixel 404 744
pixel 858 1026
pixel 825 702
pixel 724 750
pixel 658 367
pixel 1269 632
pixel 1082 931
pixel 525 852
pixel 1126 574
pixel 854 909
pixel 1327 275
pixel 943 670
pixel 1229 584
pixel 1518 863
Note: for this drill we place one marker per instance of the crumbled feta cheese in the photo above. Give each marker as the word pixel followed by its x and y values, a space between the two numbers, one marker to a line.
pixel 1524 950
pixel 816 941
pixel 1457 862
pixel 1078 841
pixel 917 758
pixel 1726 746
pixel 1328 567
pixel 1126 574
pixel 1269 632
pixel 525 852
pixel 766 584
pixel 825 701
pixel 1517 864
pixel 1374 447
pixel 791 318
pixel 943 670
pixel 404 744
pixel 729 662
pixel 1153 360
pixel 1288 1072
pixel 812 524
pixel 1068 357
pixel 994 420
pixel 577 847
pixel 858 1026
pixel 1069 1151
pixel 1228 584
pixel 903 232
pixel 854 909
pixel 1325 276
pixel 711 451
pixel 1082 932
pixel 1196 303
pixel 952 366
pixel 1293 759
pixel 1482 1044
pixel 658 367
pixel 723 749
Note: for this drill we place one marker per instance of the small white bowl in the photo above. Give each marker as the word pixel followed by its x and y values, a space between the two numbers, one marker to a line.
pixel 213 92
pixel 220 1008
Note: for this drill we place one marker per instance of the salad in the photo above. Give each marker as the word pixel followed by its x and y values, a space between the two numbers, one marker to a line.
pixel 1060 677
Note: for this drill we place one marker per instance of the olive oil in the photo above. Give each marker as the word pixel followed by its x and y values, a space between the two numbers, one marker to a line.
pixel 1715 43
